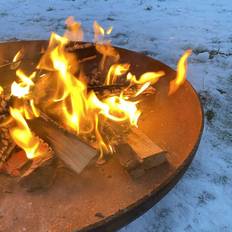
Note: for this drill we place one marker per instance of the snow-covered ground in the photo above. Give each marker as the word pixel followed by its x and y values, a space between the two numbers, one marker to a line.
pixel 202 200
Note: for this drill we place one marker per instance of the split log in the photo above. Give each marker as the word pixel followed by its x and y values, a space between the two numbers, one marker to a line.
pixel 140 153
pixel 147 152
pixel 76 154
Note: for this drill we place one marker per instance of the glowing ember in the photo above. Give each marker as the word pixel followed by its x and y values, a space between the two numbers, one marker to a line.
pixel 79 109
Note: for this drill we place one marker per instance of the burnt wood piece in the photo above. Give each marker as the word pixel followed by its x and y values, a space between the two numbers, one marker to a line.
pixel 140 154
pixel 75 153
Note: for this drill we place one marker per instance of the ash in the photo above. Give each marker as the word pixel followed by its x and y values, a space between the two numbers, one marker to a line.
pixel 163 29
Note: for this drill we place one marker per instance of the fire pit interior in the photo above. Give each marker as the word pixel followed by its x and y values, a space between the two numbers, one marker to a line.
pixel 103 197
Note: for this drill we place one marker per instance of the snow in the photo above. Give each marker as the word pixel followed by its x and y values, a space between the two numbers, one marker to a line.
pixel 202 200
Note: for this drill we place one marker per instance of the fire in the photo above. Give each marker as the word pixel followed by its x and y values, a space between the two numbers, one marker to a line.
pixel 151 77
pixel 79 109
pixel 23 136
pixel 19 55
pixel 115 71
pixel 22 89
pixel 104 46
pixel 17 59
pixel 181 72
pixel 99 32
pixel 24 109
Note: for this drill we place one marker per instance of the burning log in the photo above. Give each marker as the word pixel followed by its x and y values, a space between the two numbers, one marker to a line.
pixel 75 153
pixel 140 153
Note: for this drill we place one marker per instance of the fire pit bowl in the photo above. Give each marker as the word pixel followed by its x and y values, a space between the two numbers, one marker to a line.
pixel 106 198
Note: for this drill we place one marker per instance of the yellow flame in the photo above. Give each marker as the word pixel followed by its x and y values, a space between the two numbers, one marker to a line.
pixel 99 32
pixel 19 55
pixel 109 30
pixel 104 46
pixel 1 90
pixel 23 136
pixel 29 110
pixel 22 89
pixel 181 73
pixel 17 59
pixel 21 133
pixel 115 71
pixel 151 77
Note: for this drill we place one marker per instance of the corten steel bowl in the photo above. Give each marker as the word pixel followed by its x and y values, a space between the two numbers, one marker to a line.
pixel 106 198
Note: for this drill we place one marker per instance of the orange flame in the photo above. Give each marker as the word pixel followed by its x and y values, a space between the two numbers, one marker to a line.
pixel 19 55
pixel 115 71
pixel 23 136
pixel 181 73
pixel 21 133
pixel 22 89
pixel 79 110
pixel 151 77
pixel 1 90
pixel 104 46
pixel 17 59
